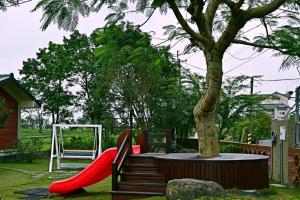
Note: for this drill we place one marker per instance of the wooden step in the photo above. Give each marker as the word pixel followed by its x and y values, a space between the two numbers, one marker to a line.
pixel 142 177
pixel 148 187
pixel 140 160
pixel 140 168
pixel 125 195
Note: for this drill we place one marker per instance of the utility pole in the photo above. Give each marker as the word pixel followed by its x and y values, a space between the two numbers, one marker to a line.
pixel 249 139
pixel 251 84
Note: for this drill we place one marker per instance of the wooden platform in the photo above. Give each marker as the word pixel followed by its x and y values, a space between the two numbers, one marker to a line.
pixel 243 171
pixel 147 174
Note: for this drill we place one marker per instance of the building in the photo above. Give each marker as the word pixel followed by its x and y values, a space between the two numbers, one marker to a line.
pixel 276 104
pixel 15 97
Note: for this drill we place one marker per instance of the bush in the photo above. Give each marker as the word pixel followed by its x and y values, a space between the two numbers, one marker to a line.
pixel 78 142
pixel 26 151
pixel 109 141
pixel 229 149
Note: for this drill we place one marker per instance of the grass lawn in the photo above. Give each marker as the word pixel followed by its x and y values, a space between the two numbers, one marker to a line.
pixel 18 176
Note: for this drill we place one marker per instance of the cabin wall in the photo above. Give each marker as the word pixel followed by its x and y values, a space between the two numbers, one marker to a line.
pixel 9 131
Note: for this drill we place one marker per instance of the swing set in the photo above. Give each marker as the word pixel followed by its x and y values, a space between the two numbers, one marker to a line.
pixel 59 152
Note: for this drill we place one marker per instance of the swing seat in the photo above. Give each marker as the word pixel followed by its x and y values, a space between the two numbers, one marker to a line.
pixel 80 154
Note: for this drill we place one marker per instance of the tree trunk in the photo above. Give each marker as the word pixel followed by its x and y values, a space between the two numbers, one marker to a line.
pixel 204 111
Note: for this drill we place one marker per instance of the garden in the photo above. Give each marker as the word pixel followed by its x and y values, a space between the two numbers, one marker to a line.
pixel 121 75
pixel 30 170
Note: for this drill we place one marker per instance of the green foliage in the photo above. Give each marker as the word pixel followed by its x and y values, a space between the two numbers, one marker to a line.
pixel 235 110
pixel 229 149
pixel 109 141
pixel 286 39
pixel 65 14
pixel 26 150
pixel 261 123
pixel 78 142
pixel 56 69
pixel 133 75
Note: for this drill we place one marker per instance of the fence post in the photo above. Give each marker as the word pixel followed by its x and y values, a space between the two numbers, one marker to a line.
pixel 114 179
pixel 168 141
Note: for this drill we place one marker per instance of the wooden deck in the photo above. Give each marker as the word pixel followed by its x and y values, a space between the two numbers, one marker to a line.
pixel 147 174
pixel 243 171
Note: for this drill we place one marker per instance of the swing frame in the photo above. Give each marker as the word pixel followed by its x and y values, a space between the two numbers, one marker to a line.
pixel 58 152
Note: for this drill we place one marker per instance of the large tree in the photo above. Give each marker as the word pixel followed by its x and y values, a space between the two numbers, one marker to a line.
pixel 133 75
pixel 49 77
pixel 212 26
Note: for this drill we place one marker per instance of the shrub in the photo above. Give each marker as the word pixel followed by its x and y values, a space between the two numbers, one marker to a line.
pixel 26 150
pixel 229 149
pixel 109 141
pixel 78 142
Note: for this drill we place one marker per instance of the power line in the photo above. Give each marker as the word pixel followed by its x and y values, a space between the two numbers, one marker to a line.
pixel 194 66
pixel 283 79
pixel 241 50
pixel 246 61
pixel 240 58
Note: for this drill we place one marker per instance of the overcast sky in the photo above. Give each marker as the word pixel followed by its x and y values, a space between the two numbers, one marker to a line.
pixel 21 37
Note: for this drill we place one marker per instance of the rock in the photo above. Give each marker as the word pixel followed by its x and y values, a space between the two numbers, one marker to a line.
pixel 190 189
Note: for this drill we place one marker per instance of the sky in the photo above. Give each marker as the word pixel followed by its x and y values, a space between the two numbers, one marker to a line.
pixel 21 37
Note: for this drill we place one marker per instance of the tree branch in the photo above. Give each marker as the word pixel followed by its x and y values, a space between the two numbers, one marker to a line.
pixel 262 46
pixel 230 4
pixel 263 10
pixel 266 29
pixel 196 10
pixel 210 13
pixel 240 3
pixel 147 19
pixel 195 36
pixel 234 25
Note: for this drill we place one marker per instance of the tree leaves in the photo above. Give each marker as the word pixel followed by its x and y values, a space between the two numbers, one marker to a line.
pixel 64 13
pixel 234 105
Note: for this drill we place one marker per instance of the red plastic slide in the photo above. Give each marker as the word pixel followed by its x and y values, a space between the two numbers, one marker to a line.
pixel 98 170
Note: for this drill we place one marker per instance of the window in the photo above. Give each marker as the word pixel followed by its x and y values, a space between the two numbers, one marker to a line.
pixel 282 113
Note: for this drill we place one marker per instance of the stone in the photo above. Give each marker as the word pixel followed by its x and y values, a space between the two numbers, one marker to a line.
pixel 191 189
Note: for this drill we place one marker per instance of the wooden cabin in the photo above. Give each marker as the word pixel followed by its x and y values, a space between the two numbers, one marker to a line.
pixel 15 97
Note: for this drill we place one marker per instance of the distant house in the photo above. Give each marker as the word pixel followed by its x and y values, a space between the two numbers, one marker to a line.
pixel 276 104
pixel 15 97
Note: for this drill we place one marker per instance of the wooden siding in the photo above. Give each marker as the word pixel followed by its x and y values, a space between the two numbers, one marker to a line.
pixel 9 131
pixel 242 174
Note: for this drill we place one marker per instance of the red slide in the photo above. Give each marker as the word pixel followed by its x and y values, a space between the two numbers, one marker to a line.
pixel 98 170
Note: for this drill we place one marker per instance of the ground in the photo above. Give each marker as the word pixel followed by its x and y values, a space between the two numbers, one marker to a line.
pixel 18 176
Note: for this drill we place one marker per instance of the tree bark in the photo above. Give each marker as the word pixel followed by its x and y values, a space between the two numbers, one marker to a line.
pixel 204 111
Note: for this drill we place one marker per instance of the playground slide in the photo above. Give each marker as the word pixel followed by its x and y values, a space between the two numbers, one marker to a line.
pixel 98 170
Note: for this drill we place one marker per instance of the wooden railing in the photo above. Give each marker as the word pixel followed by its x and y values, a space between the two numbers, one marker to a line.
pixel 124 149
pixel 154 142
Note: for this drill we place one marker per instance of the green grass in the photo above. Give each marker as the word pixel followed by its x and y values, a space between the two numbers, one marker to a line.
pixel 12 178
